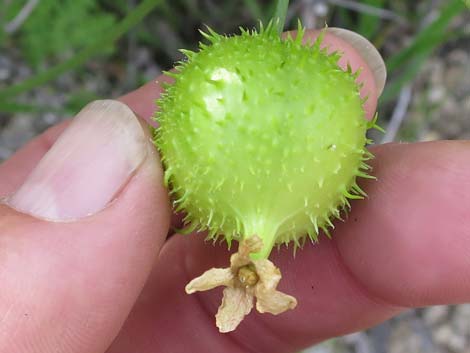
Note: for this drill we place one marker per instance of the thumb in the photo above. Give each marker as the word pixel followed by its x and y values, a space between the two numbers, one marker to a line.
pixel 79 237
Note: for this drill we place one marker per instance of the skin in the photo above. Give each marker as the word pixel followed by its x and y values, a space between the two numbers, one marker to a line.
pixel 407 246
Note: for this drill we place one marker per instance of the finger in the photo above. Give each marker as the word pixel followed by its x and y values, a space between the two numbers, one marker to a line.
pixel 79 237
pixel 407 245
pixel 14 171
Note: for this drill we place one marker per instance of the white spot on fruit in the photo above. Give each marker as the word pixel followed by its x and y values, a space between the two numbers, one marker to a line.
pixel 214 105
pixel 222 74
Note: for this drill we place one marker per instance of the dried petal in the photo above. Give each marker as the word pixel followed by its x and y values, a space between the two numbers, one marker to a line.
pixel 236 304
pixel 274 302
pixel 210 279
pixel 268 298
pixel 268 273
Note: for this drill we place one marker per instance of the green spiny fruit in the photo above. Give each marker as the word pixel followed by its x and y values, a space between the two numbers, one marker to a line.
pixel 262 136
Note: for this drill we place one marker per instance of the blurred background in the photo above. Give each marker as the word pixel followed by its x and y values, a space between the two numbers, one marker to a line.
pixel 55 56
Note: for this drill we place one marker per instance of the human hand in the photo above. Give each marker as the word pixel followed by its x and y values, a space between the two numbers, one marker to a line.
pixel 102 276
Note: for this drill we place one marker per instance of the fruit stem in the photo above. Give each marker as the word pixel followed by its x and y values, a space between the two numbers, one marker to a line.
pixel 280 14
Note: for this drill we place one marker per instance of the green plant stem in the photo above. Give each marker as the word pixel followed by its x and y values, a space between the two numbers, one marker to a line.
pixel 280 14
pixel 83 56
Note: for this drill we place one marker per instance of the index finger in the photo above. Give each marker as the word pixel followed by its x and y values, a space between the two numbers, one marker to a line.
pixel 407 247
pixel 14 170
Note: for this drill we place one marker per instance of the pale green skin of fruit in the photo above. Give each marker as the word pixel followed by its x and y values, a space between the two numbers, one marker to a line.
pixel 262 136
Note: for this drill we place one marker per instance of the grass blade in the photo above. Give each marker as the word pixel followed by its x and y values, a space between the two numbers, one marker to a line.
pixel 13 108
pixel 428 36
pixel 411 59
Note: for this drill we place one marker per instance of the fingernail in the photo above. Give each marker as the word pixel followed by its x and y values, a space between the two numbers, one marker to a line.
pixel 88 165
pixel 368 52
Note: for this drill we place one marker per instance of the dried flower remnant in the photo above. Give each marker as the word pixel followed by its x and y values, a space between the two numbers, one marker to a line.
pixel 245 280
